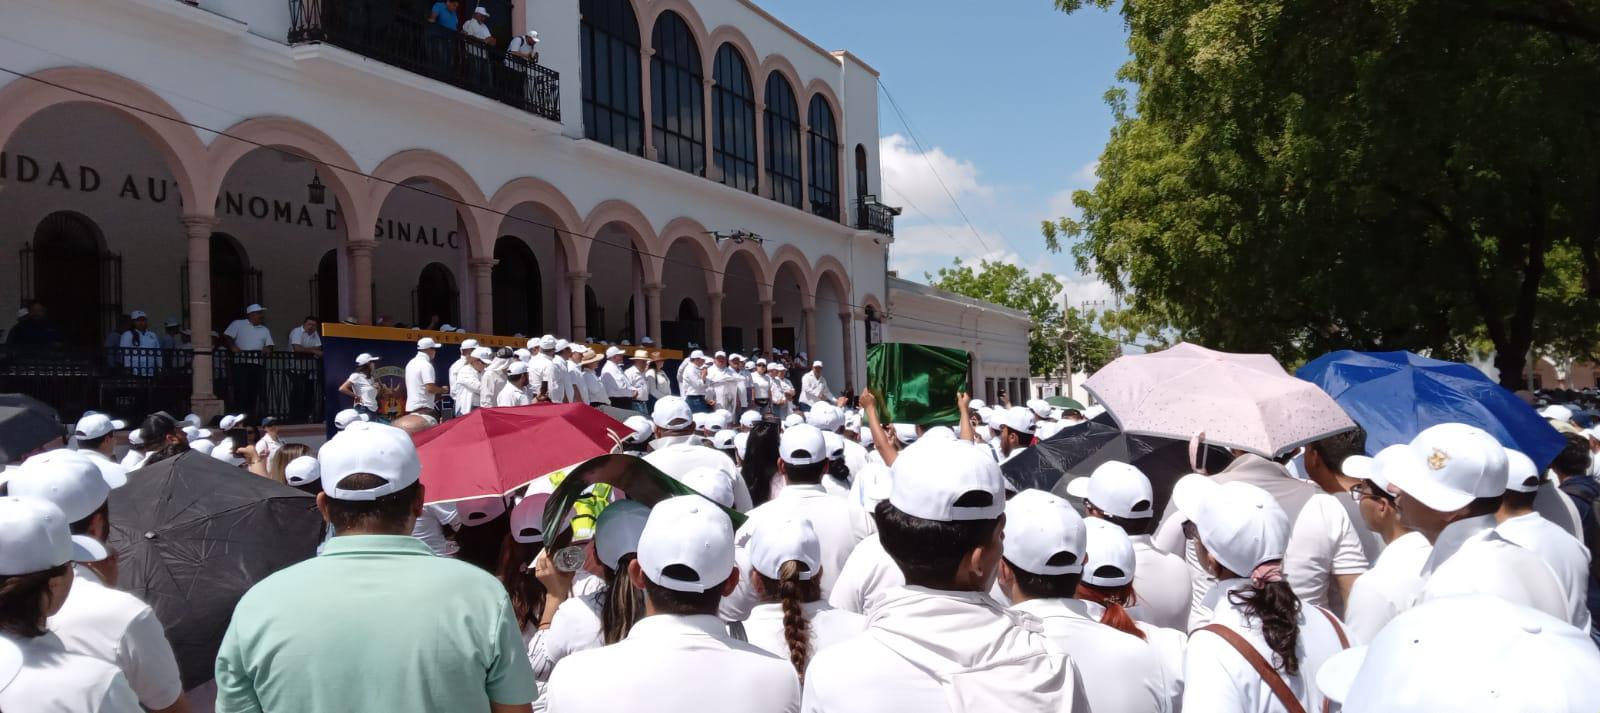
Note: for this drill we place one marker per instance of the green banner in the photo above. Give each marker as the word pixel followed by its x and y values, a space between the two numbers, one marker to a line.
pixel 916 383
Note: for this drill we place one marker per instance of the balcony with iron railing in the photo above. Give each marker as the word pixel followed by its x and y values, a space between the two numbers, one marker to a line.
pixel 372 28
pixel 874 216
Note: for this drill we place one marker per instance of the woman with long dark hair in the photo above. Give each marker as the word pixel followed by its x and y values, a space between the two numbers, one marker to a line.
pixel 573 623
pixel 361 387
pixel 792 621
pixel 1263 646
pixel 523 545
pixel 760 463
pixel 163 438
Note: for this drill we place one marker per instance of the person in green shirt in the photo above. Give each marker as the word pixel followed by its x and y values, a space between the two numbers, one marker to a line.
pixel 376 622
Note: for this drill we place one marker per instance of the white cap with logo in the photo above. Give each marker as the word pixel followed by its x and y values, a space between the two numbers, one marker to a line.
pixel 802 444
pixel 1461 462
pixel 1240 524
pixel 1043 534
pixel 687 545
pixel 1108 555
pixel 302 471
pixel 35 536
pixel 374 449
pixel 617 530
pixel 426 343
pixel 947 481
pixel 776 540
pixel 468 345
pixel 67 479
pixel 1119 489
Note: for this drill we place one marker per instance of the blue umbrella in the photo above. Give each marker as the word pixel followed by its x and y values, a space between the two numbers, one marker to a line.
pixel 1395 395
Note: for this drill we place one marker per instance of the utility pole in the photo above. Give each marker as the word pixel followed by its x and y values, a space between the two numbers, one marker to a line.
pixel 1066 348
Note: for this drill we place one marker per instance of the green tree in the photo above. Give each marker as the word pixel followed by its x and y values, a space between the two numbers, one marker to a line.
pixel 1039 297
pixel 1297 176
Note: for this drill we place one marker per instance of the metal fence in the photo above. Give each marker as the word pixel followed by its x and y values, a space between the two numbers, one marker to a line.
pixel 131 383
pixel 874 216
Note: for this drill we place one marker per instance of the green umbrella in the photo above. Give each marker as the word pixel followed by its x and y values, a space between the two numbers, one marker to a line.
pixel 1064 402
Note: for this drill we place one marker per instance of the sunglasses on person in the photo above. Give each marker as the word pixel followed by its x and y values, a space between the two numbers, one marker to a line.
pixel 1363 490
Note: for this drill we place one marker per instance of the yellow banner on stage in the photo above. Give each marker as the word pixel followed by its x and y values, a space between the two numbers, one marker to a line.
pixel 361 331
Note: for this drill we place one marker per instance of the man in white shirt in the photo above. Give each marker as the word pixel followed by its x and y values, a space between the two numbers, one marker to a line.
pixel 722 384
pixel 574 364
pixel 941 643
pixel 1016 431
pixel 1395 580
pixel 95 435
pixel 245 339
pixel 781 391
pixel 469 380
pixel 307 337
pixel 679 657
pixel 1120 493
pixel 692 381
pixel 460 363
pixel 803 461
pixel 515 392
pixel 97 620
pixel 525 46
pixel 305 341
pixel 478 27
pixel 814 387
pixel 421 384
pixel 638 386
pixel 140 337
pixel 656 379
pixel 611 376
pixel 1563 553
pixel 1043 563
pixel 560 375
pixel 541 369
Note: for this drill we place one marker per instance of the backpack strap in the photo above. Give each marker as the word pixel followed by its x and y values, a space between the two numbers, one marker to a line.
pixel 1268 675
pixel 1344 641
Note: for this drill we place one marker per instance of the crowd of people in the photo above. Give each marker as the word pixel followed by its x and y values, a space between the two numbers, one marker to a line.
pixel 829 561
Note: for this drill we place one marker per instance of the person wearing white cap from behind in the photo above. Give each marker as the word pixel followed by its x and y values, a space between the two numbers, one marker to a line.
pixel 792 621
pixel 36 548
pixel 515 392
pixel 390 605
pixel 715 484
pixel 343 419
pixel 1525 528
pixel 305 474
pixel 748 420
pixel 97 620
pixel 676 449
pixel 792 420
pixel 139 337
pixel 869 574
pixel 1042 565
pixel 1263 645
pixel 942 638
pixel 674 424
pixel 95 435
pixel 680 657
pixel 136 450
pixel 493 377
pixel 722 440
pixel 618 392
pixel 814 388
pixel 1395 581
pixel 636 441
pixel 421 384
pixel 780 389
pixel 1120 494
pixel 1468 654
pixel 1108 592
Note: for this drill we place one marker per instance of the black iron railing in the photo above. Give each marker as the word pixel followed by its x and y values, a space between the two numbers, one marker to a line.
pixel 373 29
pixel 874 216
pixel 131 383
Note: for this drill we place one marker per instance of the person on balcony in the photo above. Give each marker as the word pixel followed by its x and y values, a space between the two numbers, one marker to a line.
pixel 248 339
pixel 478 27
pixel 306 343
pixel 34 329
pixel 139 337
pixel 526 47
pixel 444 23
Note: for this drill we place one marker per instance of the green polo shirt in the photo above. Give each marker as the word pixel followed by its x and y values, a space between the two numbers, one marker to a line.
pixel 374 623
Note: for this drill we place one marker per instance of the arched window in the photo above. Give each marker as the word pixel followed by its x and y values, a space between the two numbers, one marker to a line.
pixel 517 288
pixel 783 141
pixel 326 291
pixel 822 146
pixel 677 96
pixel 436 297
pixel 861 171
pixel 68 276
pixel 733 134
pixel 612 112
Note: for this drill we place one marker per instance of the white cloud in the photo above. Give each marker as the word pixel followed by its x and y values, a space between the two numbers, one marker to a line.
pixel 908 179
pixel 1060 204
pixel 927 247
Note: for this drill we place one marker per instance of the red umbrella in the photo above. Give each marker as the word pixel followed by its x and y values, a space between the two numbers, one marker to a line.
pixel 494 451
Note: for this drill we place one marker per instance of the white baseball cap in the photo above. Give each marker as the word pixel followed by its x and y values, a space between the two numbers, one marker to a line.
pixel 792 420
pixel 372 448
pixel 1521 474
pixel 1118 488
pixel 719 419
pixel 36 536
pixel 816 364
pixel 426 343
pixel 720 354
pixel 483 354
pixel 1467 654
pixel 802 444
pixel 672 413
pixel 478 511
pixel 481 11
pixel 641 430
pixel 825 416
pixel 1108 554
pixel 613 351
pixel 1039 407
pixel 687 545
pixel 302 470
pixel 547 342
pixel 527 519
pixel 346 417
pixel 713 483
pixel 735 357
pixel 776 540
pixel 96 425
pixel 1462 463
pixel 254 308
pixel 364 359
pixel 1240 524
pixel 722 440
pixel 749 418
pixel 833 443
pixel 1019 419
pixel 533 343
pixel 193 419
pixel 647 341
pixel 697 354
pixel 447 327
pixel 776 366
pixel 1045 430
pixel 1556 412
pixel 617 530
pixel 469 345
pixel 976 404
pixel 1380 468
pixel 927 481
pixel 1043 534
pixel 740 440
pixel 65 478
pixel 906 433
pixel 137 314
pixel 227 423
pixel 562 345
pixel 517 367
pixel 135 438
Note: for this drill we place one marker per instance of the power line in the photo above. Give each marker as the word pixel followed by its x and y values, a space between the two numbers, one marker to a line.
pixel 924 153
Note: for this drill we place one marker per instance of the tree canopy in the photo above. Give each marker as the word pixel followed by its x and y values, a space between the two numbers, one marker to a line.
pixel 1039 296
pixel 1298 176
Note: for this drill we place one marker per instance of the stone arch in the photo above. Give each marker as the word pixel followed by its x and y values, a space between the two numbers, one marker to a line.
pixel 335 166
pixel 633 222
pixel 691 231
pixel 691 17
pixel 759 264
pixel 730 35
pixel 778 63
pixel 454 180
pixel 792 255
pixel 871 300
pixel 542 193
pixel 819 86
pixel 152 116
pixel 829 268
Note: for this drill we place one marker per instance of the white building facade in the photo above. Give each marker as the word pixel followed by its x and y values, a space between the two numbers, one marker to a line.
pixel 696 172
pixel 997 337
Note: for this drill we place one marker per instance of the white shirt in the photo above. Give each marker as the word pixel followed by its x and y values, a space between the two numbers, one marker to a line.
pixel 248 337
pixel 54 681
pixel 574 627
pixel 1390 587
pixel 267 445
pixel 491 381
pixel 1566 557
pixel 142 364
pixel 474 29
pixel 1161 581
pixel 636 383
pixel 1120 673
pixel 574 385
pixel 1483 562
pixel 1217 679
pixel 513 395
pixel 615 383
pixel 299 337
pixel 933 651
pixel 781 389
pixel 723 385
pixel 134 339
pixel 868 576
pixel 658 383
pixel 452 373
pixel 366 393
pixel 430 528
pixel 560 381
pixel 132 459
pixel 829 626
pixel 593 390
pixel 675 664
pixel 465 395
pixel 1322 544
pixel 829 516
pixel 760 386
pixel 419 374
pixel 115 627
pixel 814 389
pixel 542 376
pixel 690 382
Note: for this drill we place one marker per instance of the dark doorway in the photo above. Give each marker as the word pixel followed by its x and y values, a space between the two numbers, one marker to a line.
pixel 688 327
pixel 437 299
pixel 327 294
pixel 861 171
pixel 68 278
pixel 518 304
pixel 594 316
pixel 232 281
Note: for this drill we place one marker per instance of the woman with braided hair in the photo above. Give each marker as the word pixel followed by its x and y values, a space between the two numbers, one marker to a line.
pixel 792 621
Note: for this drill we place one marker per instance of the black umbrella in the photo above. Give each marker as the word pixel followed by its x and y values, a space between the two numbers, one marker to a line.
pixel 25 424
pixel 192 534
pixel 1076 451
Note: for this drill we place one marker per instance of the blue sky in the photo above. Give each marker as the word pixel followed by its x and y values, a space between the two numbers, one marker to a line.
pixel 1007 99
